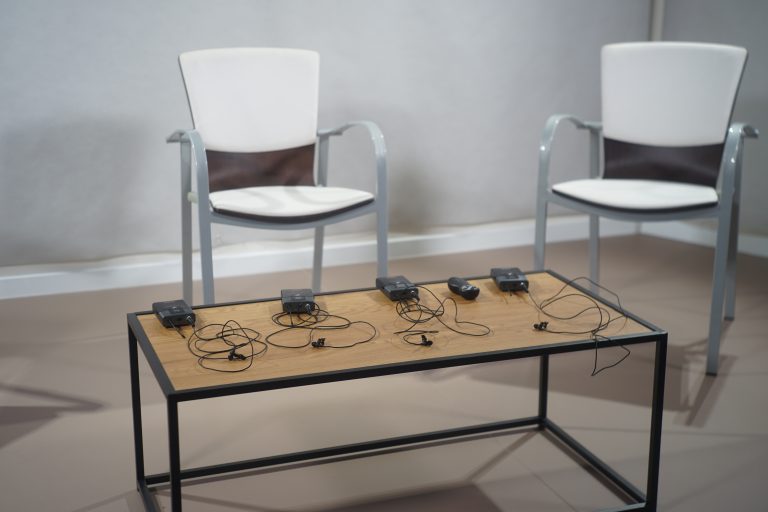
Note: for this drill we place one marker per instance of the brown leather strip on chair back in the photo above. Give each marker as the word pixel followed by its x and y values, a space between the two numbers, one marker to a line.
pixel 699 165
pixel 292 166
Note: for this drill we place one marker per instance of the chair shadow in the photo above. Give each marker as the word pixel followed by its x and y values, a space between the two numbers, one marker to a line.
pixel 687 389
pixel 65 153
pixel 17 421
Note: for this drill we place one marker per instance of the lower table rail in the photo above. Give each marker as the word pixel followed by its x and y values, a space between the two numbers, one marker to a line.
pixel 347 449
pixel 595 462
pixel 373 448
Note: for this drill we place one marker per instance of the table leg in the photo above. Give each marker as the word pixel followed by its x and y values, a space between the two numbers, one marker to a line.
pixel 543 388
pixel 138 437
pixel 654 455
pixel 174 455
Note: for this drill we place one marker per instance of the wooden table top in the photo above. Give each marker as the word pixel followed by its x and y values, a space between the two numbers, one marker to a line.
pixel 509 315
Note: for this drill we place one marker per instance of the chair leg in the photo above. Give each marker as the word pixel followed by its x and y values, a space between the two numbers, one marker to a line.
pixel 317 261
pixel 382 241
pixel 206 258
pixel 186 256
pixel 540 235
pixel 718 293
pixel 730 268
pixel 594 251
pixel 186 223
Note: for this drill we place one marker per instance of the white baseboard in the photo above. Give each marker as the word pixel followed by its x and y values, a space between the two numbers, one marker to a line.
pixel 682 231
pixel 269 257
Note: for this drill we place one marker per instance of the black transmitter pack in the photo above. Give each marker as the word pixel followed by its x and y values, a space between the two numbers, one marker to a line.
pixel 463 287
pixel 510 279
pixel 300 300
pixel 397 288
pixel 174 313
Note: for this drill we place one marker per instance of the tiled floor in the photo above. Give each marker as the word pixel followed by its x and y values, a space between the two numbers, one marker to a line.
pixel 65 424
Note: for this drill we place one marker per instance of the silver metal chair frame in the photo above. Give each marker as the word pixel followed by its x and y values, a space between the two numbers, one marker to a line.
pixel 194 166
pixel 726 211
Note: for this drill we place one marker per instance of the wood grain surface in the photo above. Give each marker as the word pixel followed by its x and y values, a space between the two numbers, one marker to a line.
pixel 510 317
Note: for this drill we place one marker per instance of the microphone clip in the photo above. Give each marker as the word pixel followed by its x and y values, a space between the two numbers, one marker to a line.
pixel 233 355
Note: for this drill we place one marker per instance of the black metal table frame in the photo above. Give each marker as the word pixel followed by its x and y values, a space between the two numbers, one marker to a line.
pixel 635 498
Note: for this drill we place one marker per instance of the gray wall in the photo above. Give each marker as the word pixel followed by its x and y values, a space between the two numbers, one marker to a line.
pixel 461 89
pixel 741 23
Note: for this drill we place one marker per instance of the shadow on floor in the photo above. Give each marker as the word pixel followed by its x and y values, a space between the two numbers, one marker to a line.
pixel 18 421
pixel 464 496
pixel 687 389
pixel 128 501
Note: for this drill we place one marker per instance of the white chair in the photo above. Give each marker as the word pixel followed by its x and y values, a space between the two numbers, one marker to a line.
pixel 668 153
pixel 252 154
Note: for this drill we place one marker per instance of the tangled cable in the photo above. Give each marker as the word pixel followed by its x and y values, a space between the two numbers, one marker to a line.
pixel 605 317
pixel 316 320
pixel 414 311
pixel 223 344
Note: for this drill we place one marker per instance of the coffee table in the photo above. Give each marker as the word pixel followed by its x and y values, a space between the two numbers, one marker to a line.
pixel 510 316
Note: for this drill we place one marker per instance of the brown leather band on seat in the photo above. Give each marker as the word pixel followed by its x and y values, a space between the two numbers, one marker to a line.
pixel 228 170
pixel 699 165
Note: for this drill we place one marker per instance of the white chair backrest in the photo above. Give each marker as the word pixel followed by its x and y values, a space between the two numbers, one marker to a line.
pixel 252 99
pixel 669 94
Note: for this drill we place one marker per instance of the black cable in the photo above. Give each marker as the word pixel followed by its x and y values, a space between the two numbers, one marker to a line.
pixel 315 320
pixel 605 318
pixel 189 321
pixel 227 338
pixel 414 311
pixel 595 370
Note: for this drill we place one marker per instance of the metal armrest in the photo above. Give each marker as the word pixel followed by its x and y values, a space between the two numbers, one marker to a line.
pixel 186 136
pixel 176 136
pixel 745 130
pixel 379 149
pixel 730 166
pixel 548 136
pixel 196 158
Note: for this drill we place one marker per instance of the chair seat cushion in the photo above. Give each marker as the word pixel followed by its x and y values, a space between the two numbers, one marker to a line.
pixel 633 195
pixel 288 204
